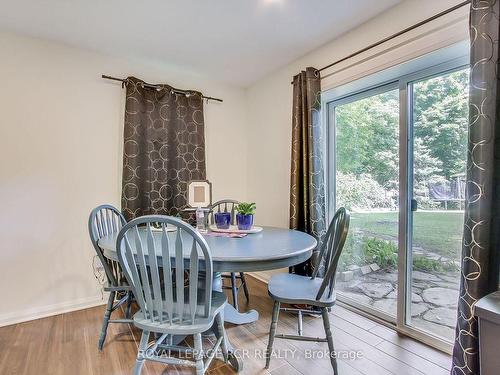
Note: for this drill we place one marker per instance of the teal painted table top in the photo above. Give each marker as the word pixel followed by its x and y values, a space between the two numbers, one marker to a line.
pixel 270 249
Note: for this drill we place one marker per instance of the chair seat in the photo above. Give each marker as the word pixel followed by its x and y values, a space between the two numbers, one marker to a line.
pixel 296 289
pixel 201 324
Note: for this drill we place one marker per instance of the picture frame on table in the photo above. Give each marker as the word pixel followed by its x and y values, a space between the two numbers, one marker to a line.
pixel 199 193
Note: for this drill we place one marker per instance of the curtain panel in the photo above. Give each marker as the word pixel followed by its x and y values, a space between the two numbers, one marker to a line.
pixel 481 245
pixel 164 149
pixel 307 186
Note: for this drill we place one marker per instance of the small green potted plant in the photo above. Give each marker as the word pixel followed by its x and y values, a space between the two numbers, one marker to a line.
pixel 244 217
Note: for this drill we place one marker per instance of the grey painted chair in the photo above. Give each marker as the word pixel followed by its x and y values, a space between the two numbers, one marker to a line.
pixel 229 205
pixel 105 220
pixel 179 305
pixel 313 291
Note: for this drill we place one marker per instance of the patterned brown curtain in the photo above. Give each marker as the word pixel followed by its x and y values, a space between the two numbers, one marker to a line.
pixel 481 242
pixel 307 190
pixel 164 149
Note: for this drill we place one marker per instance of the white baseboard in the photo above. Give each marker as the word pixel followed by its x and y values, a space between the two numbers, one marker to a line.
pixel 50 310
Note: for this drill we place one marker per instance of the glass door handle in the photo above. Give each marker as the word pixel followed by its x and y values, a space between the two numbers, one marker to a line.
pixel 413 205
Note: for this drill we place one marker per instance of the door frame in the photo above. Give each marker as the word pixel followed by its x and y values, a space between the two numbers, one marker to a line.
pixel 331 175
pixel 405 257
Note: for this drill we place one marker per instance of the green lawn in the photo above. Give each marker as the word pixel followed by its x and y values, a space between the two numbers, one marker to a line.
pixel 439 232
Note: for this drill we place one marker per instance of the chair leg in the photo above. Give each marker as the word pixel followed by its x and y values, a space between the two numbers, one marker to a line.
pixel 328 332
pixel 129 305
pixel 221 333
pixel 105 322
pixel 198 354
pixel 141 353
pixel 299 318
pixel 234 290
pixel 272 332
pixel 170 342
pixel 244 285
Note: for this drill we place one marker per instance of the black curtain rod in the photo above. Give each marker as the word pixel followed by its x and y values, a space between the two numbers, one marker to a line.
pixel 376 44
pixel 149 85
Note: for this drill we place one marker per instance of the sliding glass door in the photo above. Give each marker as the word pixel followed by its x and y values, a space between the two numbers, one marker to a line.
pixel 366 181
pixel 397 156
pixel 438 154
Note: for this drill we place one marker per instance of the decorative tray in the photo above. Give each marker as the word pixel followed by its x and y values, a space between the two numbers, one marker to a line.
pixel 234 229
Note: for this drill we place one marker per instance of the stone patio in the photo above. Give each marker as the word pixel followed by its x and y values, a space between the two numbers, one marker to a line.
pixel 434 297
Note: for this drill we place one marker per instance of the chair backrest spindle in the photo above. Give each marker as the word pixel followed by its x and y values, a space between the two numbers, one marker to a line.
pixel 160 285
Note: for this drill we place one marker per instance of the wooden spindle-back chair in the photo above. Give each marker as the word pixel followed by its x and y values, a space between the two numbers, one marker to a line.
pixel 105 220
pixel 315 291
pixel 154 262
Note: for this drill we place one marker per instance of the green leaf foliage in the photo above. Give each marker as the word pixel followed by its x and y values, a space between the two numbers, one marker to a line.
pixel 367 140
pixel 246 208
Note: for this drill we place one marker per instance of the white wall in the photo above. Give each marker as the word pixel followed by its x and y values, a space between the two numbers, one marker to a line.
pixel 60 145
pixel 270 99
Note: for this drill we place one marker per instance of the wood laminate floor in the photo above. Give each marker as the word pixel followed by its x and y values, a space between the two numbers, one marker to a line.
pixel 67 344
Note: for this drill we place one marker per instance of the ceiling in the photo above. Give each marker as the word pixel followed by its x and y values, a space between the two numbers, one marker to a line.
pixel 235 41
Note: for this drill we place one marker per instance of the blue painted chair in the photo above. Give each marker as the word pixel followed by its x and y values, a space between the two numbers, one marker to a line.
pixel 171 303
pixel 103 221
pixel 229 205
pixel 313 291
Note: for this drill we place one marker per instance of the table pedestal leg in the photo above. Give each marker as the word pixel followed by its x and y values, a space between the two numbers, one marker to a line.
pixel 231 315
pixel 234 361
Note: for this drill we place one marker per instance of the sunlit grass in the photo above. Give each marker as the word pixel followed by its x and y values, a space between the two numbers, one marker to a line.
pixel 439 232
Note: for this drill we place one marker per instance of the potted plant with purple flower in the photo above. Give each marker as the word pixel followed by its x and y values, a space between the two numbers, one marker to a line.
pixel 244 217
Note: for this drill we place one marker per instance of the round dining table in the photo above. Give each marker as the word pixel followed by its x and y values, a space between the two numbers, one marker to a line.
pixel 272 248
